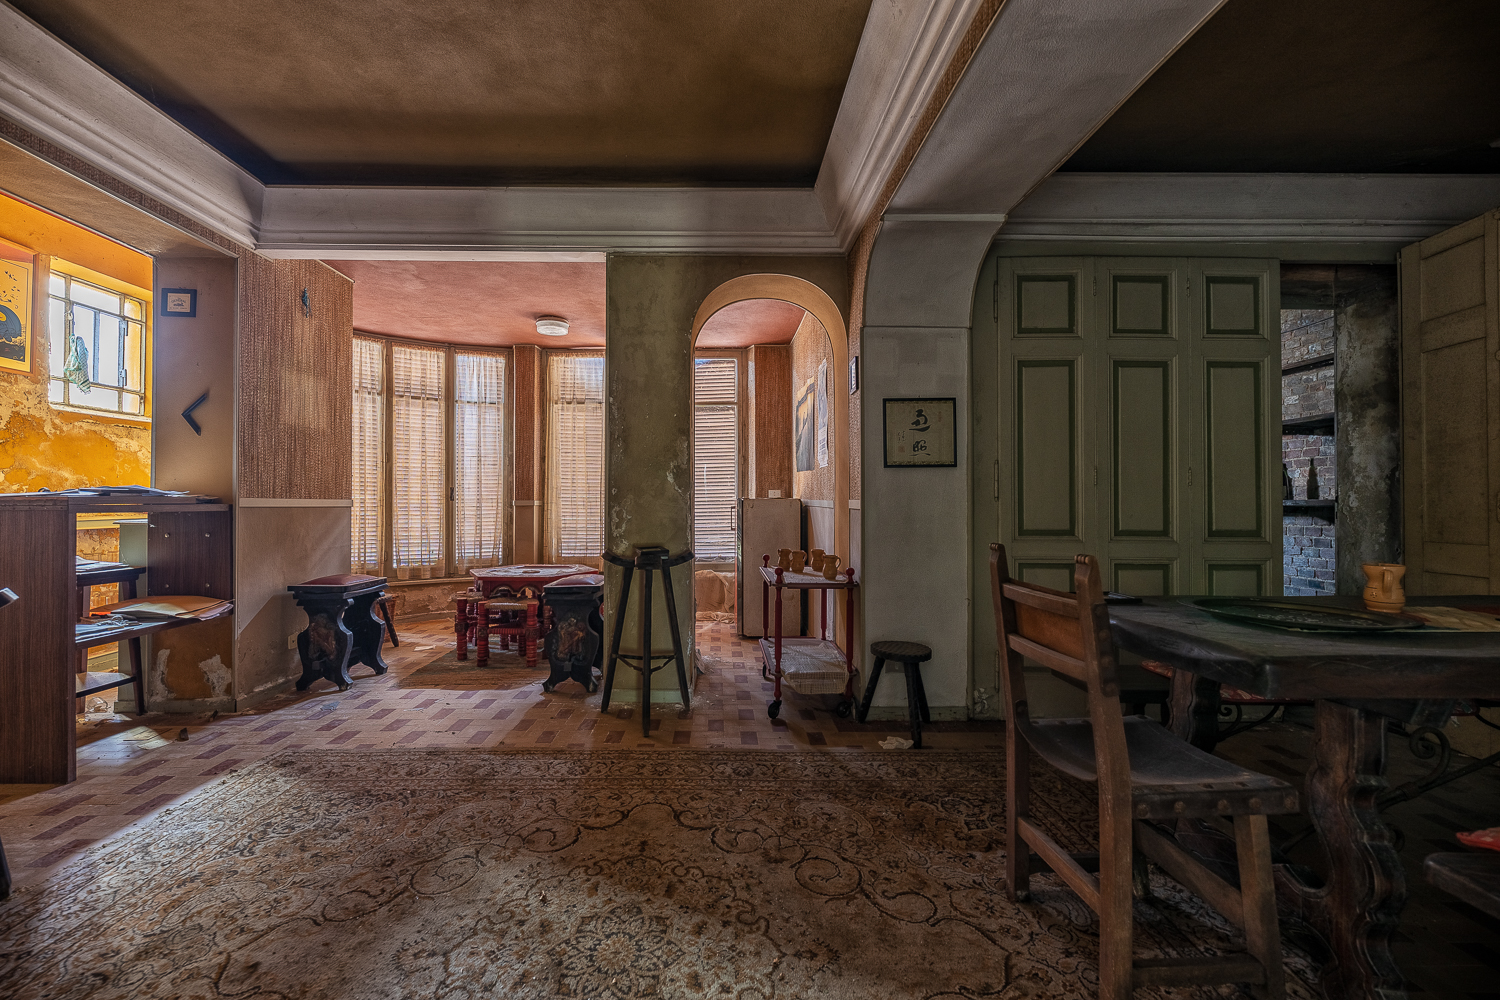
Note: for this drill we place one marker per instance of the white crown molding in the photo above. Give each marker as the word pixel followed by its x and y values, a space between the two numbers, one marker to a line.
pixel 399 222
pixel 55 93
pixel 1137 207
pixel 903 53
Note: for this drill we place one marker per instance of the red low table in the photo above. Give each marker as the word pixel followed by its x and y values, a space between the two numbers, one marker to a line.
pixel 524 576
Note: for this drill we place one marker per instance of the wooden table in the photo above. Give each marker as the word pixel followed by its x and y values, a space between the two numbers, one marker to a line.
pixel 342 629
pixel 575 646
pixel 1357 683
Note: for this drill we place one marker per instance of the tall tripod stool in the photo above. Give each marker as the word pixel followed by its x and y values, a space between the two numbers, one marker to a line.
pixel 653 557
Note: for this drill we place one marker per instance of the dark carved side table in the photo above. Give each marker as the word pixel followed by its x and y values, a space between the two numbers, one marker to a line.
pixel 342 629
pixel 575 646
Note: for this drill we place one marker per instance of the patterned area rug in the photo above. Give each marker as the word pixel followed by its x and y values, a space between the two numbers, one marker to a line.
pixel 601 875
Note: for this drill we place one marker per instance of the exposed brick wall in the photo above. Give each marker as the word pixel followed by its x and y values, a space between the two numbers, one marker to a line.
pixel 1307 541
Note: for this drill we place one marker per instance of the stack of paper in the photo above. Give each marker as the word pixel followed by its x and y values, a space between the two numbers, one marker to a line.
pixel 163 607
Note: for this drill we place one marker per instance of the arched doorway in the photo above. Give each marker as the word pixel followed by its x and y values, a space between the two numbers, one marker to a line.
pixel 814 300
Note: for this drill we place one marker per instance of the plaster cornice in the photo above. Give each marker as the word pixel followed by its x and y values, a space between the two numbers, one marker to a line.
pixel 1136 207
pixel 50 90
pixel 902 56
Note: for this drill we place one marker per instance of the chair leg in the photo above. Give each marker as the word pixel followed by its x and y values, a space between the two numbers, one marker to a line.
pixel 482 637
pixel 614 642
pixel 139 673
pixel 921 691
pixel 864 705
pixel 1116 909
pixel 1017 805
pixel 1258 895
pixel 913 706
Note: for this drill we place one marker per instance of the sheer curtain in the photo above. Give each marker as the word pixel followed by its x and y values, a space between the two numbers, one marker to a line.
pixel 716 460
pixel 575 458
pixel 417 447
pixel 479 460
pixel 369 455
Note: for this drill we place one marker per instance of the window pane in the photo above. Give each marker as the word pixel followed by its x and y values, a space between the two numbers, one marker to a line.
pixel 107 364
pixel 479 450
pixel 133 308
pixel 57 330
pixel 135 356
pixel 368 455
pixel 716 466
pixel 98 298
pixel 57 285
pixel 417 451
pixel 575 457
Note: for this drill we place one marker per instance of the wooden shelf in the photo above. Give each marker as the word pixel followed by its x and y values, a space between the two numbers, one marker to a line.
pixel 805 581
pixel 1320 424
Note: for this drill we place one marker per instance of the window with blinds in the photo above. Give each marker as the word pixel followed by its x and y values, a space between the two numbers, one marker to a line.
pixel 369 455
pixel 417 400
pixel 716 457
pixel 575 456
pixel 478 460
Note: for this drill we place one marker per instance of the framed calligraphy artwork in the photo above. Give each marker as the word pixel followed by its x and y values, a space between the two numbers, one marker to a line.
pixel 920 433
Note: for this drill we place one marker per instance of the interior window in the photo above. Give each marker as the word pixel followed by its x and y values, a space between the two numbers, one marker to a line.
pixel 575 456
pixel 716 459
pixel 97 340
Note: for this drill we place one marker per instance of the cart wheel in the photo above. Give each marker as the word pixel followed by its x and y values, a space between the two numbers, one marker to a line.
pixel 843 709
pixel 773 709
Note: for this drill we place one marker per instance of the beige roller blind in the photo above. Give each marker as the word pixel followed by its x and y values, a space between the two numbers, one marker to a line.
pixel 479 460
pixel 417 456
pixel 575 457
pixel 715 457
pixel 369 455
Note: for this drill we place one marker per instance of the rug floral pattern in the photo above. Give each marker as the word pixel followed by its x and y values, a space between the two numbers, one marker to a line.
pixel 606 875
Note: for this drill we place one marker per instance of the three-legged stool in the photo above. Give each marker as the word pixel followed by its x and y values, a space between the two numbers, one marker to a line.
pixel 910 655
pixel 650 558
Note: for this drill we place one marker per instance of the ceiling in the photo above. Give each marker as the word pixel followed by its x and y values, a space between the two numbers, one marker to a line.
pixel 491 304
pixel 753 321
pixel 1393 86
pixel 496 304
pixel 480 92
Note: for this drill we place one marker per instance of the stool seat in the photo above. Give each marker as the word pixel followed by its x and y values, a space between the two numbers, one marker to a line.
pixel 911 656
pixel 901 652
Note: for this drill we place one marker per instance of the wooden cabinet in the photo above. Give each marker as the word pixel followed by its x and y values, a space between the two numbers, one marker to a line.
pixel 190 551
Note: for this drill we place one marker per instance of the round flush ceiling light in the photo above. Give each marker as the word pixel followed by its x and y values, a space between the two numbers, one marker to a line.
pixel 552 326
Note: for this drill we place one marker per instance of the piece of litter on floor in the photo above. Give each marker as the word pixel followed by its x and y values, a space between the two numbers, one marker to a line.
pixel 895 743
pixel 420 648
pixel 183 736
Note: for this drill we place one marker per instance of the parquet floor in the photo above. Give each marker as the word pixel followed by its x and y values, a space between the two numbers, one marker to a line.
pixel 130 767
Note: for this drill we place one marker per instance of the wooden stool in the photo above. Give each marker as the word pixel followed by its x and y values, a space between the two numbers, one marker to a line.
pixel 910 655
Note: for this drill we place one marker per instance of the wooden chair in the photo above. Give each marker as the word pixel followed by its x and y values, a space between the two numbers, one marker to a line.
pixel 1145 775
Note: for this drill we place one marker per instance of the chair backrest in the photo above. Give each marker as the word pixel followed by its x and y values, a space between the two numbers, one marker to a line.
pixel 1070 635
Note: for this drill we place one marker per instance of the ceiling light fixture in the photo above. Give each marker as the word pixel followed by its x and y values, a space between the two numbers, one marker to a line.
pixel 552 326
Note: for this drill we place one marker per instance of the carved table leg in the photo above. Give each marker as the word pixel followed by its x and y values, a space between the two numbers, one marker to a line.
pixel 325 644
pixel 368 631
pixel 481 612
pixel 1195 709
pixel 1356 912
pixel 461 629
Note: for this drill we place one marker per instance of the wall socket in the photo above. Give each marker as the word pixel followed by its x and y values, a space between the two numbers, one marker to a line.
pixel 291 641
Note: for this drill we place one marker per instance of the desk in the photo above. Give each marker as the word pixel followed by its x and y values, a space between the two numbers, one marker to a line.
pixel 1356 682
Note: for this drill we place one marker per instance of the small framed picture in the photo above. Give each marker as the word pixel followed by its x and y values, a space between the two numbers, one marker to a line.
pixel 920 432
pixel 15 316
pixel 179 302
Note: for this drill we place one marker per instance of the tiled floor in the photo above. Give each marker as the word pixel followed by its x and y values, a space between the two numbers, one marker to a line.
pixel 129 768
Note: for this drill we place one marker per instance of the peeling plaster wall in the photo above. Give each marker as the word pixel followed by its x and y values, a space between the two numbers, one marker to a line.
pixel 652 300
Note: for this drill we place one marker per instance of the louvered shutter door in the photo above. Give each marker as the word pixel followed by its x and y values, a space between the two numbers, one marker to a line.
pixel 417 453
pixel 478 460
pixel 575 456
pixel 715 457
pixel 368 455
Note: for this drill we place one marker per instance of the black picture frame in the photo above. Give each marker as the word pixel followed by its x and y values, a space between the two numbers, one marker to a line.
pixel 939 441
pixel 166 297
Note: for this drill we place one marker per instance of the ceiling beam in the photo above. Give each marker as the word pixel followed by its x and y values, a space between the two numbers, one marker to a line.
pixel 1253 208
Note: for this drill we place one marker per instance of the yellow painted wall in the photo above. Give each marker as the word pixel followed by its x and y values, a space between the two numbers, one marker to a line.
pixel 42 446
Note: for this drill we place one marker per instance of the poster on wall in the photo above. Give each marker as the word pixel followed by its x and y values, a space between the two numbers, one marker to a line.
pixel 920 432
pixel 803 426
pixel 823 415
pixel 15 316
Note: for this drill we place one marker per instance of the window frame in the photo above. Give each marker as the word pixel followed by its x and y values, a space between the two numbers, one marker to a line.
pixel 42 278
pixel 544 419
pixel 449 571
pixel 742 445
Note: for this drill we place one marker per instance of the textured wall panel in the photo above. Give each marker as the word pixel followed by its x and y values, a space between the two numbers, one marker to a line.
pixel 771 437
pixel 528 422
pixel 810 348
pixel 296 371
